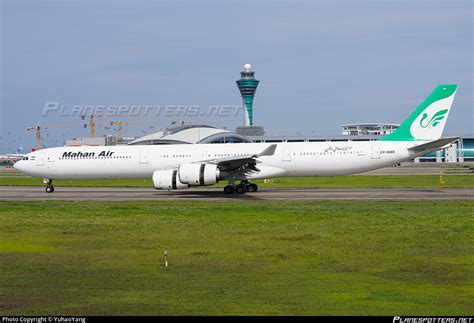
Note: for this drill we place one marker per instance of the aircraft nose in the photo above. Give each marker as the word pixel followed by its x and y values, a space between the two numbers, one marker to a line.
pixel 18 166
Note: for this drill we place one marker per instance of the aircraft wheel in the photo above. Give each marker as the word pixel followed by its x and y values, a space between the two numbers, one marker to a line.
pixel 252 187
pixel 229 189
pixel 240 189
pixel 49 189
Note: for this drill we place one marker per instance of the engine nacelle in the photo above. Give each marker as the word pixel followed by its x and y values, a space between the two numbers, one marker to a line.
pixel 167 179
pixel 198 174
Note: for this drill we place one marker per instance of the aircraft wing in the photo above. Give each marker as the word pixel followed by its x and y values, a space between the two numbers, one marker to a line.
pixel 244 163
pixel 433 145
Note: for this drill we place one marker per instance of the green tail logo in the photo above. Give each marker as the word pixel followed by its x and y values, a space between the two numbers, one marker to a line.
pixel 435 120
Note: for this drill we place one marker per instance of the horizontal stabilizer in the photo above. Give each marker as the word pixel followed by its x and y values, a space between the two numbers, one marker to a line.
pixel 433 145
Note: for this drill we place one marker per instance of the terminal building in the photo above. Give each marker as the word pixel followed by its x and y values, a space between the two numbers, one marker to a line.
pixel 184 134
pixel 191 134
pixel 358 129
pixel 460 151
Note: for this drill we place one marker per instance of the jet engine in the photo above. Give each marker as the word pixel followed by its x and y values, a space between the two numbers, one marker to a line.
pixel 167 179
pixel 198 174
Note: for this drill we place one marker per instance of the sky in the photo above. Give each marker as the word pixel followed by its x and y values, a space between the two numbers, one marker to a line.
pixel 321 64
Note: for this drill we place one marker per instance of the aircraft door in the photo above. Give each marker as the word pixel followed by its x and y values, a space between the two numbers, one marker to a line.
pixel 40 160
pixel 375 152
pixel 143 157
pixel 286 154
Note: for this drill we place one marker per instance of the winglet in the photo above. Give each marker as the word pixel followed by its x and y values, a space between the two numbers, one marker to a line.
pixel 269 151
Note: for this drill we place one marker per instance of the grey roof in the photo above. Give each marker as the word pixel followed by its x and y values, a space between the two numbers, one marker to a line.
pixel 189 134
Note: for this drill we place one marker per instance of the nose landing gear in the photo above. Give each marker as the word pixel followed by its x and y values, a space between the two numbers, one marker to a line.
pixel 49 185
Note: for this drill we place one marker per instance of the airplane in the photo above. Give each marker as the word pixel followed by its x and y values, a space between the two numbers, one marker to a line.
pixel 176 167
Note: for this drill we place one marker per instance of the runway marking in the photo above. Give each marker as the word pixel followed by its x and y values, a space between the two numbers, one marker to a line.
pixel 31 193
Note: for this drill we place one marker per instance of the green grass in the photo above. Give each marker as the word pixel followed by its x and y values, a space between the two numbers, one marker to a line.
pixel 419 181
pixel 306 258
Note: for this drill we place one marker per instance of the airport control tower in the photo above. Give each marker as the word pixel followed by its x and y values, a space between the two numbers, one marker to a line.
pixel 247 86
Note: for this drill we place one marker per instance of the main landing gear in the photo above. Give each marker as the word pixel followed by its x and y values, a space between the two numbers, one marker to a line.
pixel 49 185
pixel 241 188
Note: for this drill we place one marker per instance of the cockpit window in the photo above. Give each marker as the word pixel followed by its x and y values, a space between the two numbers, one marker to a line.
pixel 25 158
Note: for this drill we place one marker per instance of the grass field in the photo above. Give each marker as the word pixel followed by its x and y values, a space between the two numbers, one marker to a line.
pixel 425 181
pixel 307 258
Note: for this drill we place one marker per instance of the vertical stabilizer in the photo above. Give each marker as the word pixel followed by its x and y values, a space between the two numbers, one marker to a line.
pixel 429 119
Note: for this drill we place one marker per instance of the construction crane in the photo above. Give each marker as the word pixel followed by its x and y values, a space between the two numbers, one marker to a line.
pixel 92 124
pixel 119 124
pixel 44 127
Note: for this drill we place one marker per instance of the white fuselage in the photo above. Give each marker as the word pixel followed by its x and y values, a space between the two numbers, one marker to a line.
pixel 289 159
